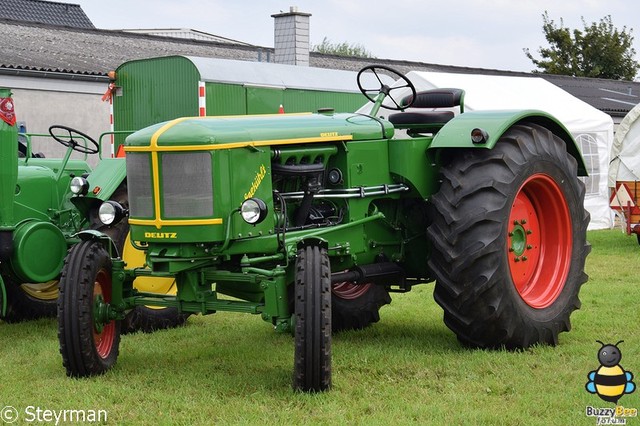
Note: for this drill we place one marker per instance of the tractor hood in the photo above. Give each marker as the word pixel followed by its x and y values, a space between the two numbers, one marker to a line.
pixel 259 130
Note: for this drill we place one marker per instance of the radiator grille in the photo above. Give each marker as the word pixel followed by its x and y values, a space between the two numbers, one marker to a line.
pixel 139 185
pixel 187 185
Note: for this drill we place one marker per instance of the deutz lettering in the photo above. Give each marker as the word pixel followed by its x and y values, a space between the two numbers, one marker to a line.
pixel 161 235
pixel 256 182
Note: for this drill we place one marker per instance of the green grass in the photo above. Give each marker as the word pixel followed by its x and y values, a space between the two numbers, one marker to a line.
pixel 408 368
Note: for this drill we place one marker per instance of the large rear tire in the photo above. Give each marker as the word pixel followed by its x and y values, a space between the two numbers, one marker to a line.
pixel 509 241
pixel 356 306
pixel 312 360
pixel 88 346
pixel 30 301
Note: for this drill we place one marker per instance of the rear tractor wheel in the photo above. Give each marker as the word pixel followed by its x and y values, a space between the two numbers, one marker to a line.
pixel 356 306
pixel 30 301
pixel 509 241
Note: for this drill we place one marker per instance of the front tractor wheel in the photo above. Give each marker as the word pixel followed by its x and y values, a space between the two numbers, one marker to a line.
pixel 312 293
pixel 89 342
pixel 509 241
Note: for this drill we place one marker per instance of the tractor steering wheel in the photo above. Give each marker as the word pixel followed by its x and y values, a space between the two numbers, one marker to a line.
pixel 372 94
pixel 70 142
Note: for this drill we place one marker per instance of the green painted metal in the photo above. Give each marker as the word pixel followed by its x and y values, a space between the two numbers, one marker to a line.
pixel 281 129
pixel 457 132
pixel 154 90
pixel 225 99
pixel 370 190
pixel 161 89
pixel 38 220
pixel 30 262
pixel 9 169
pixel 107 176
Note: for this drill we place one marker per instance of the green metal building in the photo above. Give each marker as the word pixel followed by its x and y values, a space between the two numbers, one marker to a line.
pixel 149 91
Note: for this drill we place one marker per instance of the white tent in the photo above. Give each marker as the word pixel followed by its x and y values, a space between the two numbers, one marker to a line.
pixel 625 152
pixel 592 129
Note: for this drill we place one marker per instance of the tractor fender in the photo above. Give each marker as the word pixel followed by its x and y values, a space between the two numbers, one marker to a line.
pixel 104 180
pixel 312 240
pixel 457 132
pixel 102 238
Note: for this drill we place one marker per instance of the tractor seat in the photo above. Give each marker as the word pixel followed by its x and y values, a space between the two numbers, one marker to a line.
pixel 428 121
pixel 421 121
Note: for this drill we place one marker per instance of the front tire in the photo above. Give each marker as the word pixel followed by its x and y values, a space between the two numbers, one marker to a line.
pixel 88 346
pixel 509 241
pixel 312 360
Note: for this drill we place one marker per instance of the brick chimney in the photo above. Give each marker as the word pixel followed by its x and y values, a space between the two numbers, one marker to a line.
pixel 291 37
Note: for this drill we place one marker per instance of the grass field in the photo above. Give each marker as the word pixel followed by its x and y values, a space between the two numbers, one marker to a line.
pixel 406 369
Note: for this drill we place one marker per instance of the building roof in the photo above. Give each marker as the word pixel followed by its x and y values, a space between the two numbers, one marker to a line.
pixel 45 12
pixel 89 52
pixel 187 33
pixel 65 50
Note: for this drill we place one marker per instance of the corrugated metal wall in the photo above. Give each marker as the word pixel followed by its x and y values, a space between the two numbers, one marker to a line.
pixel 160 89
pixel 310 101
pixel 225 99
pixel 154 90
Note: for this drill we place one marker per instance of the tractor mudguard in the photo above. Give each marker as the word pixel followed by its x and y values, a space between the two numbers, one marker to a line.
pixel 103 182
pixel 106 178
pixel 104 239
pixel 457 132
pixel 321 242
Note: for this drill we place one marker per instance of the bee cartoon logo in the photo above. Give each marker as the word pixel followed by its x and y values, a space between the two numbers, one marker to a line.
pixel 610 381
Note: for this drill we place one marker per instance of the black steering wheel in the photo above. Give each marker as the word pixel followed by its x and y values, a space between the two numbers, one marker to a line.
pixel 371 94
pixel 72 143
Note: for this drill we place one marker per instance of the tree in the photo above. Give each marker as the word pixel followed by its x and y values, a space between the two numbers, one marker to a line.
pixel 600 50
pixel 342 49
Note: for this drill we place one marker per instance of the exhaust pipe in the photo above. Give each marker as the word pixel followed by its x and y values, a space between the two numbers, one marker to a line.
pixel 8 171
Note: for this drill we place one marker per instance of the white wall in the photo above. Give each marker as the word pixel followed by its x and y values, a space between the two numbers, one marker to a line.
pixel 42 102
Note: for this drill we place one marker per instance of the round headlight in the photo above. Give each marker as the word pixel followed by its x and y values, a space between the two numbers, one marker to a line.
pixel 107 213
pixel 79 185
pixel 253 210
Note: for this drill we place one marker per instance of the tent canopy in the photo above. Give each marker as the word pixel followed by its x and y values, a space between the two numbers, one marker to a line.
pixel 592 129
pixel 625 152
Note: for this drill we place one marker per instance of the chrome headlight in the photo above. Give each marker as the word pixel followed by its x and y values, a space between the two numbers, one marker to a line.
pixel 253 210
pixel 79 185
pixel 111 212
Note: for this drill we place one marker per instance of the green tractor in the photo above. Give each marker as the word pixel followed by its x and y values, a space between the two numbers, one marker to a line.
pixel 312 220
pixel 44 204
pixel 37 218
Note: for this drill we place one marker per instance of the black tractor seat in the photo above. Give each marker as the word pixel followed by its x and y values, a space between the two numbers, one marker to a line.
pixel 428 121
pixel 421 121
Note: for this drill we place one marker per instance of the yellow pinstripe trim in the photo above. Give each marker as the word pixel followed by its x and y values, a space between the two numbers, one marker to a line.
pixel 172 222
pixel 153 148
pixel 213 147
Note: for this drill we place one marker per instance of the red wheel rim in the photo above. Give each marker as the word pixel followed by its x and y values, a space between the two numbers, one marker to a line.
pixel 539 244
pixel 103 340
pixel 349 291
